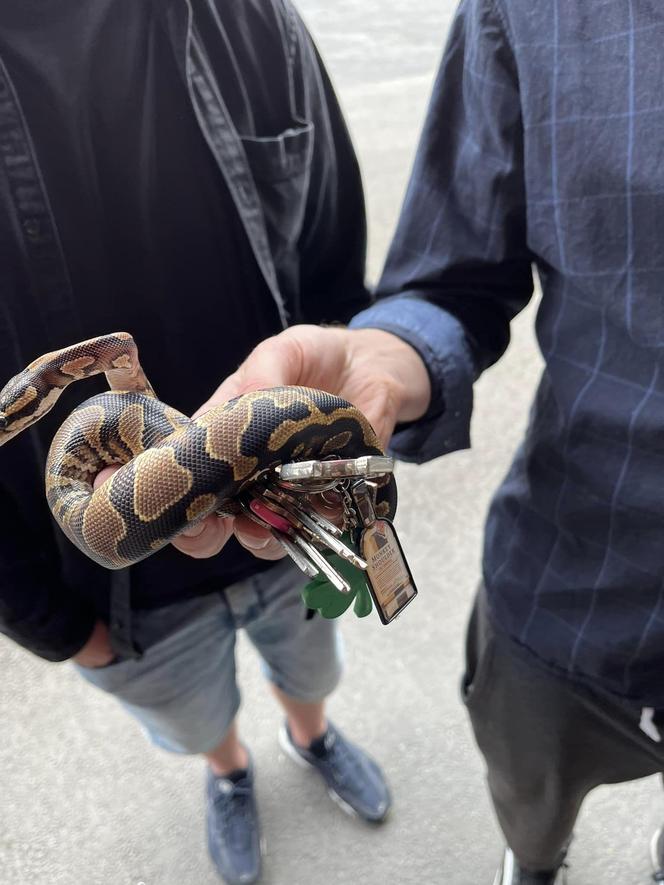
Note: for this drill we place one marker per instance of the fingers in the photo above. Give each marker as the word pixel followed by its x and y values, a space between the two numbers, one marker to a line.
pixel 375 370
pixel 257 540
pixel 105 474
pixel 275 362
pixel 209 537
pixel 206 538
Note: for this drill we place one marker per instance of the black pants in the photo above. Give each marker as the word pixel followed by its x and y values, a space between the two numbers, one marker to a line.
pixel 546 742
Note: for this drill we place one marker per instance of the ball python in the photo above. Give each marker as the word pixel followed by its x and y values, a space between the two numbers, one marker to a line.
pixel 175 470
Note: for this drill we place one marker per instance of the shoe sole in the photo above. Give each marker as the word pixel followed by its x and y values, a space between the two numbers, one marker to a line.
pixel 505 874
pixel 290 751
pixel 262 850
pixel 654 859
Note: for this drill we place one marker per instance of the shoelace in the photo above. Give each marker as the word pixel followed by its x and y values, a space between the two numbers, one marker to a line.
pixel 234 809
pixel 343 764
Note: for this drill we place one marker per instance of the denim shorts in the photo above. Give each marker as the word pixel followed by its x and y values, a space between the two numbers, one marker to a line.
pixel 184 691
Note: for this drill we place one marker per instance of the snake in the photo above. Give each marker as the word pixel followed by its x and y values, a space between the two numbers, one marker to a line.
pixel 174 470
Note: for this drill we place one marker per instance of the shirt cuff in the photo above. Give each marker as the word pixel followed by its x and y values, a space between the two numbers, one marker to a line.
pixel 440 340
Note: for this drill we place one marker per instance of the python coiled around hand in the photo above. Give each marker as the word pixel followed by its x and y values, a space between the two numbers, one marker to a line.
pixel 175 470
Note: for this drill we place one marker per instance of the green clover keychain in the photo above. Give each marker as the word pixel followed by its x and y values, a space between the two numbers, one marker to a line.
pixel 322 597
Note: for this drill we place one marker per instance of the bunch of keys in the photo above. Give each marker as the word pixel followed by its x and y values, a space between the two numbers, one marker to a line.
pixel 281 502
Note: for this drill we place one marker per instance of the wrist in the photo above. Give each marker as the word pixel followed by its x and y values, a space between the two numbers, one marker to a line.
pixel 385 352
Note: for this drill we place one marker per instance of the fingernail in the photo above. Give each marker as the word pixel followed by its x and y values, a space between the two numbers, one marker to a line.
pixel 194 531
pixel 255 543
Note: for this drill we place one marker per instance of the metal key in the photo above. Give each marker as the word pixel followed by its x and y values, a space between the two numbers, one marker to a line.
pixel 284 507
pixel 289 531
pixel 280 501
pixel 329 537
pixel 301 561
pixel 323 565
pixel 364 499
pixel 301 502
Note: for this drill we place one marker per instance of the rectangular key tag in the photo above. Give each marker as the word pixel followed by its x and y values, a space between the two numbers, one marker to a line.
pixel 340 468
pixel 388 576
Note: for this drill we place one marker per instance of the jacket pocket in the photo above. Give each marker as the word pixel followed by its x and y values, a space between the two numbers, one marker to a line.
pixel 281 169
pixel 280 157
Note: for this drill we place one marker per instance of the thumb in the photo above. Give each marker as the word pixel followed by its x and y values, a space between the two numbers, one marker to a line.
pixel 275 362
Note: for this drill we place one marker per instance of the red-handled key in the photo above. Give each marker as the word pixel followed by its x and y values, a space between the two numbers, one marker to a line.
pixel 270 517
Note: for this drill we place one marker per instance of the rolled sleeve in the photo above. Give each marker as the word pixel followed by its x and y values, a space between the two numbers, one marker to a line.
pixel 440 340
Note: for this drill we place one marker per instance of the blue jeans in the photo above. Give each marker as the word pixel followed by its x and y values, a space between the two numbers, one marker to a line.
pixel 184 691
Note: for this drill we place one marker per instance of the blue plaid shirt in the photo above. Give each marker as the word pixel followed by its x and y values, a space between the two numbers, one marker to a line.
pixel 544 145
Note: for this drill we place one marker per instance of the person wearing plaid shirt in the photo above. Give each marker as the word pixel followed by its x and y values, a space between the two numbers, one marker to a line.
pixel 543 148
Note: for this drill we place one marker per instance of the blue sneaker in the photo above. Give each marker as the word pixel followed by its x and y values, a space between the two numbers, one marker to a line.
pixel 232 825
pixel 353 779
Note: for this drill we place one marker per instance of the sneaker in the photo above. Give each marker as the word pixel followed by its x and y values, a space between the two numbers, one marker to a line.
pixel 657 855
pixel 232 825
pixel 353 779
pixel 510 873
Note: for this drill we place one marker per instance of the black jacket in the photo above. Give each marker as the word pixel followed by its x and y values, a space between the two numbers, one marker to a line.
pixel 271 121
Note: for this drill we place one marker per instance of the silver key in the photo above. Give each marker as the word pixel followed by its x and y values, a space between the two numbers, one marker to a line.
pixel 289 507
pixel 301 502
pixel 364 500
pixel 323 565
pixel 301 561
pixel 296 537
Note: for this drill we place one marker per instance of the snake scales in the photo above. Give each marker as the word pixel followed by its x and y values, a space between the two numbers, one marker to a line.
pixel 175 470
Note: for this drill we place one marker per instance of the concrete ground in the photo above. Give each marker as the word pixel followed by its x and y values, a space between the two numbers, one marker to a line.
pixel 84 799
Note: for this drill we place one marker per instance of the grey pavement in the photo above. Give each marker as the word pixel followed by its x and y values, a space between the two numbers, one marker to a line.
pixel 84 800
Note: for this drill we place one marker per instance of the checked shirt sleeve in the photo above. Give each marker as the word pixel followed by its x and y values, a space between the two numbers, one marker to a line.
pixel 459 268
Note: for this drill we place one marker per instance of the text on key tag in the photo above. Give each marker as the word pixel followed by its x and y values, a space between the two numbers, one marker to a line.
pixel 389 578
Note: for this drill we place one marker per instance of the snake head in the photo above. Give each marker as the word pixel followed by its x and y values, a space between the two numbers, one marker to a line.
pixel 23 400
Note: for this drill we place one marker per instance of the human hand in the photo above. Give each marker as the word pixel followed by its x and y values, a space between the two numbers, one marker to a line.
pixel 97 651
pixel 376 371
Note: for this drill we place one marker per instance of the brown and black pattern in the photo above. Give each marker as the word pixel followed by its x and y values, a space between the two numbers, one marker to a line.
pixel 174 471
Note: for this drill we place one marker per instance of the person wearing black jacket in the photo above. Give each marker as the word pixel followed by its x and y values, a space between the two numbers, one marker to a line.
pixel 178 169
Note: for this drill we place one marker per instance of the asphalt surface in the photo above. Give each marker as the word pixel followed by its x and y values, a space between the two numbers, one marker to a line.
pixel 85 800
